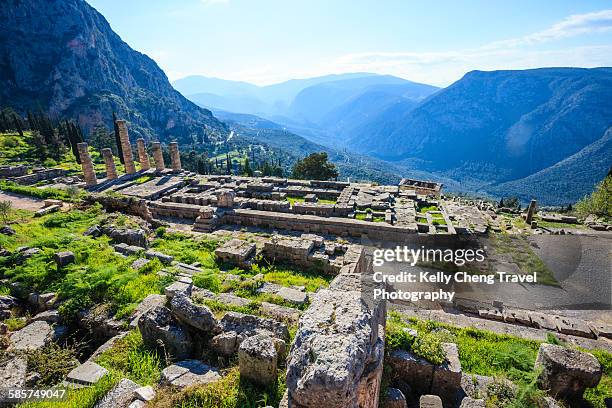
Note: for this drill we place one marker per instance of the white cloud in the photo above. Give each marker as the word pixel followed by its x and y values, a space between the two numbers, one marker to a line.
pixel 443 68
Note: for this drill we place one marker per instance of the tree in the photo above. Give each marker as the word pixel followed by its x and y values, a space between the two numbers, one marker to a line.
pixel 117 139
pixel 5 209
pixel 315 167
pixel 599 203
pixel 247 170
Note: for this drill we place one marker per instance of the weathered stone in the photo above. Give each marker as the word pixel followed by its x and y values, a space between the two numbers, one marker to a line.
pixel 415 371
pixel 175 156
pixel 198 316
pixel 293 296
pixel 257 358
pixel 337 329
pixel 120 396
pixel 251 325
pixel 162 331
pixel 279 312
pixel 126 147
pixel 430 401
pixel 87 165
pixel 566 373
pixel 109 164
pixel 34 336
pixel 147 303
pixel 63 258
pixel 137 404
pixel 140 263
pixel 49 316
pixel 87 373
pixel 6 230
pixel 93 231
pixel 225 198
pixel 143 157
pixel 447 376
pixel 13 373
pixel 129 236
pixel 236 251
pixel 158 156
pixel 468 402
pixel 188 373
pixel 178 287
pixel 146 393
pixel 543 321
pixel 530 212
pixel 224 344
pixel 394 398
pixel 163 258
pixel 230 299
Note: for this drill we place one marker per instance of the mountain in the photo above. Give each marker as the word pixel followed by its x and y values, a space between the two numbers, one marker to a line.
pixel 253 130
pixel 243 97
pixel 566 181
pixel 496 126
pixel 61 56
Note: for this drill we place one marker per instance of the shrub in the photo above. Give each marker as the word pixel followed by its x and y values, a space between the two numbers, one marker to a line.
pixel 52 362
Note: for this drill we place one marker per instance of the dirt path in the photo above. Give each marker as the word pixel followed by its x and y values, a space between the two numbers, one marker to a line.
pixel 22 202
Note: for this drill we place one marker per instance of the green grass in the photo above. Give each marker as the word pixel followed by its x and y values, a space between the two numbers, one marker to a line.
pixel 39 192
pixel 132 359
pixel 563 225
pixel 486 353
pixel 229 392
pixel 15 323
pixel 144 179
pixel 98 275
pixel 518 249
pixel 424 210
pixel 294 199
pixel 187 249
pixel 360 216
pixel 438 221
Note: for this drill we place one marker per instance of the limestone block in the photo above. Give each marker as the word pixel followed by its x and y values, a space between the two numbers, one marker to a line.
pixel 188 373
pixel 257 358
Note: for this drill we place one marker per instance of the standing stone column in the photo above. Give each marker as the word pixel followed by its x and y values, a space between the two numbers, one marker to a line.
pixel 530 212
pixel 143 157
pixel 111 170
pixel 158 156
pixel 175 156
pixel 88 170
pixel 128 160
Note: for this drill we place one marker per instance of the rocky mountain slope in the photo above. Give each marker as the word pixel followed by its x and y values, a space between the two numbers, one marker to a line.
pixel 497 126
pixel 62 56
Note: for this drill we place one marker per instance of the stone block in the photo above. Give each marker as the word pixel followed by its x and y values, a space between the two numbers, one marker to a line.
pixel 121 395
pixel 430 401
pixel 189 373
pixel 566 373
pixel 161 330
pixel 140 263
pixel 178 287
pixel 257 358
pixel 293 296
pixel 146 393
pixel 394 398
pixel 446 380
pixel 196 316
pixel 88 373
pixel 34 336
pixel 415 371
pixel 468 402
pixel 163 258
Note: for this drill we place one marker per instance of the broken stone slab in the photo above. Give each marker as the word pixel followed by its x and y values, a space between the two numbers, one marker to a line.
pixel 147 303
pixel 257 359
pixel 128 250
pixel 49 316
pixel 161 330
pixel 88 373
pixel 224 344
pixel 129 236
pixel 293 296
pixel 566 373
pixel 140 263
pixel 446 379
pixel 602 329
pixel 64 258
pixel 188 269
pixel 394 398
pixel 543 321
pixel 34 336
pixel 200 294
pixel 47 210
pixel 430 401
pixel 6 230
pixel 178 287
pixel 279 312
pixel 13 373
pixel 163 258
pixel 236 251
pixel 468 402
pixel 188 373
pixel 93 231
pixel 250 324
pixel 146 393
pixel 517 316
pixel 267 287
pixel 197 316
pixel 120 396
pixel 137 404
pixel 574 327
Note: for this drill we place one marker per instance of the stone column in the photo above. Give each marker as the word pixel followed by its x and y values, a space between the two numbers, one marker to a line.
pixel 143 157
pixel 225 198
pixel 111 170
pixel 128 160
pixel 175 156
pixel 158 156
pixel 88 170
pixel 530 211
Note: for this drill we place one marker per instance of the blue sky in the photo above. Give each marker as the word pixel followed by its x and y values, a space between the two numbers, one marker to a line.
pixel 436 42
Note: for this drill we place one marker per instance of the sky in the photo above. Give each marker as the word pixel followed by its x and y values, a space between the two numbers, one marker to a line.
pixel 434 42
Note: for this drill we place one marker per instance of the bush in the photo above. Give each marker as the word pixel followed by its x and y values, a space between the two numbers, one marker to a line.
pixel 52 362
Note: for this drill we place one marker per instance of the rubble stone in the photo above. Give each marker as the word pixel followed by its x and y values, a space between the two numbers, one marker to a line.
pixel 161 330
pixel 188 373
pixel 197 316
pixel 258 359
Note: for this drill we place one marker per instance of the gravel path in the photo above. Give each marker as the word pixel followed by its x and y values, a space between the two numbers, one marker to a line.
pixel 22 202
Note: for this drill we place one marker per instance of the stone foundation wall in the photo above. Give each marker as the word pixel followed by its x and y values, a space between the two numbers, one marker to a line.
pixel 13 171
pixel 345 330
pixel 124 204
pixel 42 175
